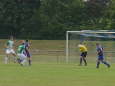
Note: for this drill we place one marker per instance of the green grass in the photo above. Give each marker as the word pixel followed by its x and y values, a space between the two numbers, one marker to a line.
pixel 53 74
pixel 49 69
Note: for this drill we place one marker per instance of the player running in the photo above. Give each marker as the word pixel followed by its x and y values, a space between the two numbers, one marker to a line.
pixel 22 58
pixel 27 46
pixel 100 56
pixel 10 49
pixel 83 50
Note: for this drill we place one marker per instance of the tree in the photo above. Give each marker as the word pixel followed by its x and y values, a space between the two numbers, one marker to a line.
pixel 15 15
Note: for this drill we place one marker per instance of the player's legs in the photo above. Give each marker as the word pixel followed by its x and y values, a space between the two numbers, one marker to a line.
pixel 81 59
pixel 29 57
pixel 100 58
pixel 84 58
pixel 6 59
pixel 98 63
pixel 8 52
pixel 29 61
pixel 104 62
pixel 85 61
pixel 23 59
pixel 14 55
pixel 18 60
pixel 23 62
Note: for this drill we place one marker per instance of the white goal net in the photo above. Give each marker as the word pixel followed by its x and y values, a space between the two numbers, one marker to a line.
pixel 90 38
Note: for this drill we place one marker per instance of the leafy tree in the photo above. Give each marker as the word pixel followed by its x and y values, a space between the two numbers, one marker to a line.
pixel 15 14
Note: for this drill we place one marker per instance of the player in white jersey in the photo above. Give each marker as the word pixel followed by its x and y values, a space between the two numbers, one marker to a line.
pixel 9 46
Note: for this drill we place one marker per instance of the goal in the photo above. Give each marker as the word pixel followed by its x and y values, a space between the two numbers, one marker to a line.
pixel 89 37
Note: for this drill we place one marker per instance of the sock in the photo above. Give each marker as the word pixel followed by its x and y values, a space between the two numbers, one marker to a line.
pixel 80 61
pixel 85 61
pixel 98 64
pixel 29 62
pixel 106 63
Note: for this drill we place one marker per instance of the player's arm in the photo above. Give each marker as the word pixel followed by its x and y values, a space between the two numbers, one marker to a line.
pixel 99 51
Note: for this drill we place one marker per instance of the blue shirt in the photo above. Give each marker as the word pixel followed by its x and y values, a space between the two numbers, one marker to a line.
pixel 100 50
pixel 26 45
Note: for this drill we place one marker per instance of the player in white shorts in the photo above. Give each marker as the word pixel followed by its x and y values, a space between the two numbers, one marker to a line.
pixel 22 58
pixel 10 50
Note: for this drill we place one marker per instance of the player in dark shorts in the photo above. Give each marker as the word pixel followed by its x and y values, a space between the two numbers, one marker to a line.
pixel 84 54
pixel 27 46
pixel 100 56
pixel 83 50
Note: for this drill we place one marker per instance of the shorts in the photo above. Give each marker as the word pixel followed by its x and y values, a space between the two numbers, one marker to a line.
pixel 10 51
pixel 84 54
pixel 100 57
pixel 22 56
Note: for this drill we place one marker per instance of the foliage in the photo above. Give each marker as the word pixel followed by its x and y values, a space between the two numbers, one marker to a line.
pixel 50 19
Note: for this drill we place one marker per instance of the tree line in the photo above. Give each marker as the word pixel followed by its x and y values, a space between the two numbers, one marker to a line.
pixel 50 19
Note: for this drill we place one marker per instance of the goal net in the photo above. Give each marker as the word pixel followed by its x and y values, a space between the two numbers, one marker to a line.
pixel 90 38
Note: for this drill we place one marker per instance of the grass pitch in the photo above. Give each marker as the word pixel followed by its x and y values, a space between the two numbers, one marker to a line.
pixel 53 74
pixel 50 70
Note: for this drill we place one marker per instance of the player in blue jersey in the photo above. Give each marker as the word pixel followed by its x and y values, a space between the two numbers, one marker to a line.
pixel 100 56
pixel 27 46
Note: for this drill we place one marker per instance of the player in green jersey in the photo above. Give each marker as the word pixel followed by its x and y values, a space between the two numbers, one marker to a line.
pixel 9 47
pixel 22 58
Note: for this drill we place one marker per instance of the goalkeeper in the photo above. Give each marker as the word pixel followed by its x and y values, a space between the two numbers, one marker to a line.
pixel 83 50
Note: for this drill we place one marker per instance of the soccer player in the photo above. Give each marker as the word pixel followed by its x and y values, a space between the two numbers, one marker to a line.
pixel 9 46
pixel 100 56
pixel 27 46
pixel 83 50
pixel 22 58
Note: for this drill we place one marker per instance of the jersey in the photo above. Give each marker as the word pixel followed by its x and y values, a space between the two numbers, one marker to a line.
pixel 10 44
pixel 21 49
pixel 26 45
pixel 82 48
pixel 100 50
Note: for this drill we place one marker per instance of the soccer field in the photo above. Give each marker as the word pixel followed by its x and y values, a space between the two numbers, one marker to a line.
pixel 49 68
pixel 53 74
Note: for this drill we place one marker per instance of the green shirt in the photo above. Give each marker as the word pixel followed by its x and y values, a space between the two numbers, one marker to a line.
pixel 21 49
pixel 10 44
